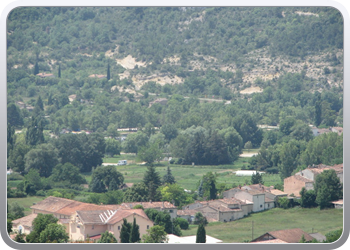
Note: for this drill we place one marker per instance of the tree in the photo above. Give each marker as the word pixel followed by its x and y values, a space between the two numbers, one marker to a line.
pixel 155 234
pixel 40 223
pixel 200 219
pixel 308 198
pixel 125 232
pixel 106 177
pixel 14 116
pixel 43 158
pixel 16 210
pixel 59 71
pixel 174 192
pixel 209 186
pixel 333 235
pixel 327 188
pixel 113 147
pixel 138 192
pixel 150 153
pixel 9 226
pixel 248 145
pixel 108 72
pixel 200 189
pixel 67 173
pixel 161 218
pixel 170 131
pixel 134 232
pixel 107 237
pixel 20 238
pixel 168 177
pixel 54 233
pixel 201 234
pixel 36 68
pixel 318 109
pixel 34 134
pixel 38 107
pixel 183 223
pixel 151 176
pixel 257 178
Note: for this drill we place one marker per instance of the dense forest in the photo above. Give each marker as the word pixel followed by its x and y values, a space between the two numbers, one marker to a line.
pixel 179 76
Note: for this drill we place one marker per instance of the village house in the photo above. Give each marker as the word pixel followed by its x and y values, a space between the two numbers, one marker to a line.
pixel 84 219
pixel 157 205
pixel 223 210
pixel 307 177
pixel 260 196
pixel 283 236
pixel 93 223
pixel 98 76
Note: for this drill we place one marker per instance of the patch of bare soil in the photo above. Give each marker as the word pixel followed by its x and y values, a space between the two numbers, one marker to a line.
pixel 251 90
pixel 129 62
pixel 139 80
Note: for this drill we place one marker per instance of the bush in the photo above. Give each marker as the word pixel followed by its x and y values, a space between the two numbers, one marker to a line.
pixel 41 193
pixel 183 223
pixel 285 203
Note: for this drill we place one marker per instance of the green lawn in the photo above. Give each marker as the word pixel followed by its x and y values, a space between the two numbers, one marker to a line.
pixel 309 220
pixel 26 202
pixel 186 175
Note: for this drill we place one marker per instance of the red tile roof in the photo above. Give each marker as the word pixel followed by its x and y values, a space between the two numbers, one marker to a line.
pixel 145 205
pixel 291 235
pixel 25 221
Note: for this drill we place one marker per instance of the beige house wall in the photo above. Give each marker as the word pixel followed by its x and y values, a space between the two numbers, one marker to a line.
pixel 143 223
pixel 294 186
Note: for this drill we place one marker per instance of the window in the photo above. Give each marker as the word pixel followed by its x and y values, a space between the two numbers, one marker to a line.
pixel 118 227
pixel 260 205
pixel 92 227
pixel 147 226
pixel 170 211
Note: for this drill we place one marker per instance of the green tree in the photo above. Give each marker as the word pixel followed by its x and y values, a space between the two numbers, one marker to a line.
pixel 200 219
pixel 16 210
pixel 327 188
pixel 40 223
pixel 248 145
pixel 113 147
pixel 168 177
pixel 108 72
pixel 257 178
pixel 43 158
pixel 138 192
pixel 155 234
pixel 170 131
pixel 183 223
pixel 54 233
pixel 36 68
pixel 107 177
pixel 107 237
pixel 174 192
pixel 125 232
pixel 308 198
pixel 150 153
pixel 201 234
pixel 34 134
pixel 20 238
pixel 134 232
pixel 333 235
pixel 59 71
pixel 32 182
pixel 9 226
pixel 14 116
pixel 318 109
pixel 67 173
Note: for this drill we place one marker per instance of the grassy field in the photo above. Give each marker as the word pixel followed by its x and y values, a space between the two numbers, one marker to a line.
pixel 309 220
pixel 187 175
pixel 25 202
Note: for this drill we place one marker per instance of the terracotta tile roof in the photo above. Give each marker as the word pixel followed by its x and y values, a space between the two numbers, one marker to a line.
pixel 101 217
pixel 270 241
pixel 187 212
pixel 300 178
pixel 121 214
pixel 68 207
pixel 25 221
pixel 338 202
pixel 291 235
pixel 277 192
pixel 231 201
pixel 268 200
pixel 52 204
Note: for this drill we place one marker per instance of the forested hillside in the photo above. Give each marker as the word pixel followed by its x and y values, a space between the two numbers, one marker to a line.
pixel 196 82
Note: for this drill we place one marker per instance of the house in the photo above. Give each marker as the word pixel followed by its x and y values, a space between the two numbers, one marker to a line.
pixel 283 236
pixel 260 196
pixel 84 219
pixel 307 177
pixel 93 223
pixel 157 205
pixel 338 204
pixel 223 210
pixel 23 225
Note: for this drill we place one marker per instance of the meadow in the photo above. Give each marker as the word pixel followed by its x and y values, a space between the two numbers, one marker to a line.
pixel 310 220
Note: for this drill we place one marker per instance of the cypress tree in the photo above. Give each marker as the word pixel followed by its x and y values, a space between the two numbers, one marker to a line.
pixel 200 189
pixel 36 68
pixel 59 71
pixel 152 176
pixel 108 72
pixel 125 232
pixel 135 233
pixel 201 234
pixel 318 110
